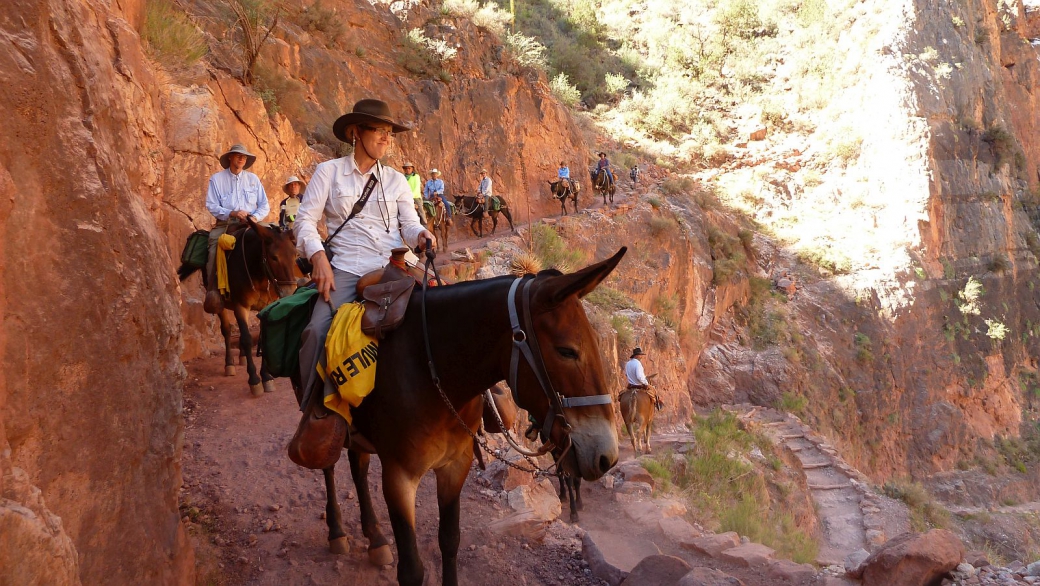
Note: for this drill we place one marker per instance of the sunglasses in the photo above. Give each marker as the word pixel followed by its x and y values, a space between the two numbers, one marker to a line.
pixel 383 132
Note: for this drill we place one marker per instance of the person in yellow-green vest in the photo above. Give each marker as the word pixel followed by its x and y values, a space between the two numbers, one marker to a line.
pixel 415 184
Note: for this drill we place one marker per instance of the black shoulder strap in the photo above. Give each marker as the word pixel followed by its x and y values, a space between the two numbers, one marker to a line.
pixel 358 205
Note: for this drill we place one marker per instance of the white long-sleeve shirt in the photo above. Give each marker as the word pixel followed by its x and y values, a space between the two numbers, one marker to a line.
pixel 229 192
pixel 485 187
pixel 634 372
pixel 364 244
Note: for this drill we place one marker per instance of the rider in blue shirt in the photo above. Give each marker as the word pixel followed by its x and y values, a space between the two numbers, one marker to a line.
pixel 435 188
pixel 603 163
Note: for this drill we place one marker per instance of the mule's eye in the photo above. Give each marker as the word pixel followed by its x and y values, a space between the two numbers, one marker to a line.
pixel 567 352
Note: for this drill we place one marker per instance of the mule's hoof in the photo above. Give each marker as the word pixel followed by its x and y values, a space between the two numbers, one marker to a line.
pixel 268 386
pixel 241 359
pixel 574 518
pixel 257 390
pixel 229 370
pixel 339 546
pixel 380 556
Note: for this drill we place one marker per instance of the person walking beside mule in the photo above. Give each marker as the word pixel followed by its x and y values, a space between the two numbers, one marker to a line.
pixel 387 214
pixel 233 196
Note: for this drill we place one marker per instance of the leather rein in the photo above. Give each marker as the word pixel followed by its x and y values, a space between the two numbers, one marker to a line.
pixel 525 345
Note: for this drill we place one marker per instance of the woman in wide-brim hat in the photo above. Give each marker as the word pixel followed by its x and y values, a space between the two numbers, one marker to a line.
pixel 367 110
pixel 237 149
pixel 358 243
pixel 293 179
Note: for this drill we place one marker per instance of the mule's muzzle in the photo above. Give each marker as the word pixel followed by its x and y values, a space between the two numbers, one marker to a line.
pixel 595 447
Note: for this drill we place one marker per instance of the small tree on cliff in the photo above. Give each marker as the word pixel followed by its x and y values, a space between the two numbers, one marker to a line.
pixel 255 20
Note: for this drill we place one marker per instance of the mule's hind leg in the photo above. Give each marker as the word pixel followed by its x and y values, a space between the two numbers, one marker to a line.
pixel 245 346
pixel 225 330
pixel 333 518
pixel 450 479
pixel 266 377
pixel 577 492
pixel 632 436
pixel 509 217
pixel 572 493
pixel 379 553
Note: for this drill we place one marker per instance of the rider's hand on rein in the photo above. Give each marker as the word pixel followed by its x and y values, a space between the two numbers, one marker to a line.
pixel 322 275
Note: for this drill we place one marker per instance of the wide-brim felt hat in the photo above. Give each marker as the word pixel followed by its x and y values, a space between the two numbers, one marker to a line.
pixel 367 110
pixel 601 154
pixel 293 179
pixel 225 159
pixel 638 352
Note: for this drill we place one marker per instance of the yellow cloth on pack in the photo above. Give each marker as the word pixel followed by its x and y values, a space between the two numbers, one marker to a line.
pixel 226 242
pixel 350 360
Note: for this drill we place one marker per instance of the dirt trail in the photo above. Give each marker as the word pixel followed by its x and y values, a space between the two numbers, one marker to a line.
pixel 256 518
pixel 852 516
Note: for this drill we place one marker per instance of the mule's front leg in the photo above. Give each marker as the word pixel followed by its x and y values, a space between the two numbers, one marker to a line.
pixel 225 330
pixel 245 348
pixel 379 553
pixel 333 518
pixel 449 488
pixel 399 493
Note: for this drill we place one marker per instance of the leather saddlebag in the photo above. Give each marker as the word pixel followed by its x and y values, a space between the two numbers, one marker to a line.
pixel 385 306
pixel 320 436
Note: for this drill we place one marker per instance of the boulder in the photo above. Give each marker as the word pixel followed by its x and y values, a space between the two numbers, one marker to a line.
pixel 708 577
pixel 525 524
pixel 713 544
pixel 788 572
pixel 500 476
pixel 540 499
pixel 635 488
pixel 1033 569
pixel 677 530
pixel 659 570
pixel 748 555
pixel 634 472
pixel 599 565
pixel 912 559
pixel 645 512
pixel 855 560
pixel 611 557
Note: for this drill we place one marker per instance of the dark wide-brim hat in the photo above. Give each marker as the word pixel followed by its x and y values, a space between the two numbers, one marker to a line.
pixel 638 352
pixel 225 159
pixel 367 110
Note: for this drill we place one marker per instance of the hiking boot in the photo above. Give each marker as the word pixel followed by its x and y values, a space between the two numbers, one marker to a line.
pixel 213 302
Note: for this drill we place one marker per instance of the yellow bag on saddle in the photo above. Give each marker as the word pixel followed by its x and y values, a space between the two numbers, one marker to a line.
pixel 351 360
pixel 225 244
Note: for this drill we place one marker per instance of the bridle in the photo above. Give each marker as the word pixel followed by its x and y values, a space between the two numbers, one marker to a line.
pixel 476 206
pixel 526 345
pixel 268 272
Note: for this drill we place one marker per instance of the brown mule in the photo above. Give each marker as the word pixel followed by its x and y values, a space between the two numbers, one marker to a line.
pixel 467 205
pixel 439 222
pixel 406 421
pixel 261 268
pixel 562 191
pixel 637 409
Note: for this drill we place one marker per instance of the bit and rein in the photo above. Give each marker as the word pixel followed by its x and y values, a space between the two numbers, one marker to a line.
pixel 525 345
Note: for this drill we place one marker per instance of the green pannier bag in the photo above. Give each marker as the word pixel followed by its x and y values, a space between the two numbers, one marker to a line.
pixel 281 327
pixel 196 249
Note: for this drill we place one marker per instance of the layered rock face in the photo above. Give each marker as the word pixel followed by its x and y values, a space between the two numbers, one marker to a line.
pixel 90 398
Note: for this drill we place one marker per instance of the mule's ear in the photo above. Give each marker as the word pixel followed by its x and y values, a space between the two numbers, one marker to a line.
pixel 581 283
pixel 263 231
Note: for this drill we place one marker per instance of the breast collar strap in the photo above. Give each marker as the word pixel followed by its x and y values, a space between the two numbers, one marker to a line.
pixel 528 346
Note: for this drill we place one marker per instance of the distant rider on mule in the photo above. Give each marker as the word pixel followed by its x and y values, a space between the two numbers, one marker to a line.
pixel 415 184
pixel 602 164
pixel 364 244
pixel 637 378
pixel 484 189
pixel 234 195
pixel 564 173
pixel 291 204
pixel 435 188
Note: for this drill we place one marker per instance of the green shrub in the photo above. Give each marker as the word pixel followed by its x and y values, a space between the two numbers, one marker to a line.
pixel 623 327
pixel 792 403
pixel 676 185
pixel 553 251
pixel 170 37
pixel 862 342
pixel 563 90
pixel 925 513
pixel 654 202
pixel 526 50
pixel 317 18
pixel 616 83
pixel 1002 142
pixel 609 298
pixel 662 226
pixel 666 307
pixel 999 263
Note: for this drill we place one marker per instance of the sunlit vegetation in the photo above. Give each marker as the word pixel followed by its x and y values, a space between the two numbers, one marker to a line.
pixel 725 491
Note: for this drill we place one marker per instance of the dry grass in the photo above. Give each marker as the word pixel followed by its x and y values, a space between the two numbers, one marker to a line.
pixel 170 37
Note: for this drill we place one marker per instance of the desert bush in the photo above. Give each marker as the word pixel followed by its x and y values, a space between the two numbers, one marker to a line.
pixel 610 299
pixel 864 353
pixel 677 184
pixel 925 512
pixel 171 38
pixel 969 298
pixel 254 21
pixel 553 251
pixel 439 49
pixel 460 8
pixel 999 263
pixel 491 17
pixel 660 226
pixel 1002 142
pixel 563 90
pixel 318 18
pixel 666 307
pixel 526 50
pixel 623 327
pixel 792 403
pixel 616 83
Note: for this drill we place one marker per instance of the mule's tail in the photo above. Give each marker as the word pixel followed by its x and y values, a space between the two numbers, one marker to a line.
pixel 186 270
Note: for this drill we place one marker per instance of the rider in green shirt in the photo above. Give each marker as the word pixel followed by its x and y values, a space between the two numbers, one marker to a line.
pixel 415 183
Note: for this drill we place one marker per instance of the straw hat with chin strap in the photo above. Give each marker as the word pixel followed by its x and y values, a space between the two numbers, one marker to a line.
pixel 367 110
pixel 237 149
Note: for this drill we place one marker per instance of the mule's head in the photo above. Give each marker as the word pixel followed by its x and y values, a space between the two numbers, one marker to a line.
pixel 574 366
pixel 279 256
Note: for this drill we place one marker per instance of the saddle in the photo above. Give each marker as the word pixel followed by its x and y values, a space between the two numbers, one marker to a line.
pixel 385 293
